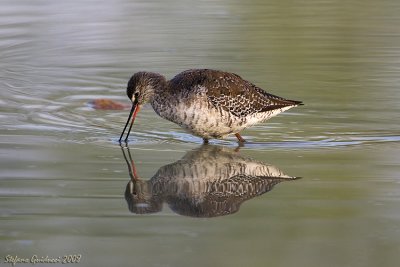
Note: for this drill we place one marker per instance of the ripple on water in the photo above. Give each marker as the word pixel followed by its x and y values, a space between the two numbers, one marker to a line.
pixel 173 137
pixel 55 114
pixel 326 142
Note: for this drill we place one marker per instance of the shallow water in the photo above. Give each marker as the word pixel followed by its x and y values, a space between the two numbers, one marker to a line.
pixel 64 177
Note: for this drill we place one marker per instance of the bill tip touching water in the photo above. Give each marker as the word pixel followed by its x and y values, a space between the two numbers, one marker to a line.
pixel 207 103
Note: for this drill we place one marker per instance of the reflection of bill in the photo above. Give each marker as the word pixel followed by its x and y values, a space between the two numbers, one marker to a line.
pixel 207 182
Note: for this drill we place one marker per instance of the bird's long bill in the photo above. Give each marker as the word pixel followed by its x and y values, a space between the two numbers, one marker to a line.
pixel 134 110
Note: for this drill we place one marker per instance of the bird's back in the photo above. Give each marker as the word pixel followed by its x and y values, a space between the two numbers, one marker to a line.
pixel 227 91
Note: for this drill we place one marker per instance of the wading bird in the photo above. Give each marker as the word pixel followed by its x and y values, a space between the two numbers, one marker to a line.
pixel 207 103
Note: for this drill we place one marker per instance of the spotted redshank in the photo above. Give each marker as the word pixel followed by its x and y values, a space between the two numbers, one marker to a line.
pixel 207 103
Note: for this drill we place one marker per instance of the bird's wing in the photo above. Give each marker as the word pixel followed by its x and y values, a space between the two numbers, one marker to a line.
pixel 228 91
pixel 243 98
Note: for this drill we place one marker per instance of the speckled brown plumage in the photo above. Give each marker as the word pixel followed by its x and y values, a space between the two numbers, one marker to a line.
pixel 229 92
pixel 208 103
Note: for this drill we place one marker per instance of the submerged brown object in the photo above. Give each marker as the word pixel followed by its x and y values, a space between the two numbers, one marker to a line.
pixel 108 104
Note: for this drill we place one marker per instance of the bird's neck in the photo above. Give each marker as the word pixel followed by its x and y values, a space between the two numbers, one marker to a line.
pixel 160 85
pixel 156 84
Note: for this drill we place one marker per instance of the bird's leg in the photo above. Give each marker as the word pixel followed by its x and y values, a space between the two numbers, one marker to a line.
pixel 205 141
pixel 238 148
pixel 240 138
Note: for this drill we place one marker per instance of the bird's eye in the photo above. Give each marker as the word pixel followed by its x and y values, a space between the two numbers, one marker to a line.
pixel 135 97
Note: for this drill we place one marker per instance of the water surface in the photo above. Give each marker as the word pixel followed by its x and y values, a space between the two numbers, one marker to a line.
pixel 64 177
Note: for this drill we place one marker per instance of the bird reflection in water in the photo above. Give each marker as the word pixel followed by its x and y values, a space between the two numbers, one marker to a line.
pixel 209 181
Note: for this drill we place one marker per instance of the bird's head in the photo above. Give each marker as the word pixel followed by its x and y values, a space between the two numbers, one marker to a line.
pixel 142 85
pixel 141 88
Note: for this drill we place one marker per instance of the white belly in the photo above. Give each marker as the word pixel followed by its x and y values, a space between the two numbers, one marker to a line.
pixel 202 119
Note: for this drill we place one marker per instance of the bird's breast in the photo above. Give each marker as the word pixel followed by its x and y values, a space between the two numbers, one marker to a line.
pixel 199 116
